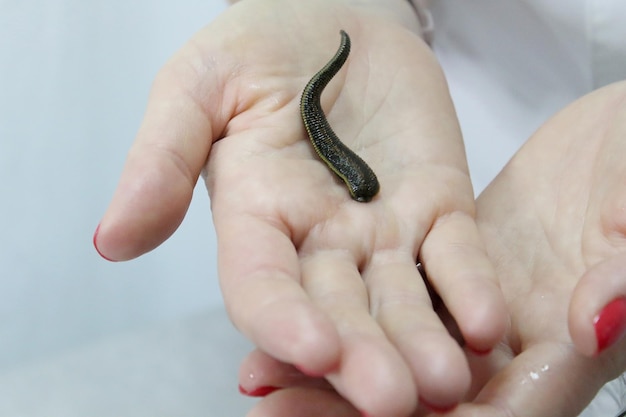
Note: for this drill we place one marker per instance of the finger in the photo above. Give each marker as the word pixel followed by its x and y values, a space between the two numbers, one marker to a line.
pixel 549 379
pixel 260 373
pixel 457 266
pixel 597 312
pixel 164 163
pixel 259 274
pixel 303 402
pixel 402 306
pixel 372 375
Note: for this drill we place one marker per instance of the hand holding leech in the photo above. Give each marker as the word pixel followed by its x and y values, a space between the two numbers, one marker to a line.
pixel 312 277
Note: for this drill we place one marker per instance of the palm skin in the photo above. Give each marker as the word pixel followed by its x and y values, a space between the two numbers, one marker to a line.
pixel 558 242
pixel 553 222
pixel 310 276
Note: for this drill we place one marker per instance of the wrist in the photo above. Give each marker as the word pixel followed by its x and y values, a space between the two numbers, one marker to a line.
pixel 424 17
pixel 412 15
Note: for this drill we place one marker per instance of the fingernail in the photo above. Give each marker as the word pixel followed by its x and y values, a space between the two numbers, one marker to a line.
pixel 95 244
pixel 440 409
pixel 610 323
pixel 479 352
pixel 258 392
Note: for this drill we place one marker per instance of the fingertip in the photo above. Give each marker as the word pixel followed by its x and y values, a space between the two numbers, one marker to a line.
pixel 582 334
pixel 597 311
pixel 309 402
pixel 260 373
pixel 441 371
pixel 258 392
pixel 258 369
pixel 296 332
pixel 374 378
pixel 95 245
pixel 438 409
pixel 484 326
pixel 481 314
pixel 466 280
pixel 610 324
pixel 148 206
pixel 310 373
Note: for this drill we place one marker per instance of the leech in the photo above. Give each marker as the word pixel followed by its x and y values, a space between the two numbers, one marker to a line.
pixel 358 176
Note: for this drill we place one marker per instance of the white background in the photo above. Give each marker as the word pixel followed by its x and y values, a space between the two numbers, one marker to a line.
pixel 74 80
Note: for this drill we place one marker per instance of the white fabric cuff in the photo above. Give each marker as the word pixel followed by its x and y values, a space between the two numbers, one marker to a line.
pixel 425 18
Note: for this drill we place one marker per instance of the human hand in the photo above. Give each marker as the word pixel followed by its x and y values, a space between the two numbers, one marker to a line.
pixel 553 221
pixel 557 240
pixel 310 276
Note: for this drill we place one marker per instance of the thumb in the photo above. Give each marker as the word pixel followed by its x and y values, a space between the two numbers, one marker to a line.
pixel 165 161
pixel 597 311
pixel 546 379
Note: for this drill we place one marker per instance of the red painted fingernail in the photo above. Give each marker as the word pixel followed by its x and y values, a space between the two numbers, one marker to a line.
pixel 610 323
pixel 437 408
pixel 95 245
pixel 258 392
pixel 478 352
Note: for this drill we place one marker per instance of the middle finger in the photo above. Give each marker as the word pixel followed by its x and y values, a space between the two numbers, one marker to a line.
pixel 402 307
pixel 371 374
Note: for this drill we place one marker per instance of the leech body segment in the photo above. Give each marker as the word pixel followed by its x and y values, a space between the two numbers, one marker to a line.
pixel 358 176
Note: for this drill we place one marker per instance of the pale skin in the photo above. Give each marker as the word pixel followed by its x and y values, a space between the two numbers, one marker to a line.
pixel 554 222
pixel 313 278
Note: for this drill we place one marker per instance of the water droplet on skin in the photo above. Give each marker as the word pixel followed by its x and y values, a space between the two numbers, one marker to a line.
pixel 535 375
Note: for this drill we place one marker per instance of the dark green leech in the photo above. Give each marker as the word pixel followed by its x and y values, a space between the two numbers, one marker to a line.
pixel 358 176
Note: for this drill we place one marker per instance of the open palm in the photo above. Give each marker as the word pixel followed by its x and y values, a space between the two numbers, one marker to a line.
pixel 553 221
pixel 312 277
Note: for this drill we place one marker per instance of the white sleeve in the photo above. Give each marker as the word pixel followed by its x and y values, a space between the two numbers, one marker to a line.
pixel 610 400
pixel 425 18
